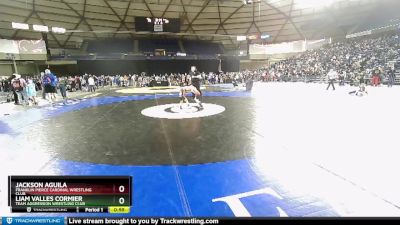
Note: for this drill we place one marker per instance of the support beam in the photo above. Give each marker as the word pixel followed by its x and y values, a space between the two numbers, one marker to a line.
pixel 25 20
pixel 70 35
pixel 148 8
pixel 227 18
pixel 220 25
pixel 198 14
pixel 170 1
pixel 280 30
pixel 51 33
pixel 220 20
pixel 82 16
pixel 254 20
pixel 286 16
pixel 187 19
pixel 286 22
pixel 124 18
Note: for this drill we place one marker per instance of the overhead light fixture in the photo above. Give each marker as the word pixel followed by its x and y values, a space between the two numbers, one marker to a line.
pixel 40 28
pixel 241 38
pixel 58 30
pixel 253 37
pixel 21 26
pixel 265 36
pixel 314 3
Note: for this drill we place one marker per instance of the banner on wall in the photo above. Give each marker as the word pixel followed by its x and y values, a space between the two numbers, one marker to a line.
pixel 32 47
pixel 23 47
pixel 9 46
pixel 286 47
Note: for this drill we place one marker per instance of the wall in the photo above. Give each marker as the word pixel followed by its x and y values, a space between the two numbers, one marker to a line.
pixel 62 70
pixel 27 69
pixel 24 68
pixel 111 67
pixel 6 69
pixel 154 66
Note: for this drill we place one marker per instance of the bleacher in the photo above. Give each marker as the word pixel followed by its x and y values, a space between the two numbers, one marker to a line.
pixel 128 49
pixel 110 46
pixel 193 47
pixel 148 46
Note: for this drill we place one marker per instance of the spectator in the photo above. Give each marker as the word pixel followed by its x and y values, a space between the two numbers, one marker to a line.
pixel 18 87
pixel 31 92
pixel 391 77
pixel 332 76
pixel 91 84
pixel 63 89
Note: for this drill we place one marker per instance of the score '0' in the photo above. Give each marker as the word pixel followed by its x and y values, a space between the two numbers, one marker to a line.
pixel 121 200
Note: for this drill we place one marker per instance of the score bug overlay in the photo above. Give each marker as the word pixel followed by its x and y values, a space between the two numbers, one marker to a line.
pixel 75 194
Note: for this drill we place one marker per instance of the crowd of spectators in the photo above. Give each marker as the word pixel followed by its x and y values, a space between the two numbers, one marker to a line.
pixel 23 89
pixel 355 60
pixel 84 82
pixel 363 60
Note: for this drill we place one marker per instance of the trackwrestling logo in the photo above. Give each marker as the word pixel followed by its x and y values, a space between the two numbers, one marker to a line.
pixel 33 220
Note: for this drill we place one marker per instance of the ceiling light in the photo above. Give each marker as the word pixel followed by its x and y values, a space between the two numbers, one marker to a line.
pixel 21 26
pixel 313 3
pixel 58 30
pixel 253 37
pixel 40 28
pixel 265 36
pixel 241 38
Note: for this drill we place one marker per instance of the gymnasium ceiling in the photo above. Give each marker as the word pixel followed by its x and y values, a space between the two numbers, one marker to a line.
pixel 217 20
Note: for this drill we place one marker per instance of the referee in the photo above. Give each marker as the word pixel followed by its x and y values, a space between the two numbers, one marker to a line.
pixel 196 81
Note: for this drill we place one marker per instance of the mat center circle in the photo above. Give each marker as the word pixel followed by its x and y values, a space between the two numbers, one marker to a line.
pixel 184 111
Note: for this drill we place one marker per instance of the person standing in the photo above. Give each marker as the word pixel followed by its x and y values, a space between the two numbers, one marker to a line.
pixel 62 84
pixel 376 78
pixel 134 80
pixel 18 85
pixel 49 88
pixel 54 84
pixel 195 79
pixel 391 77
pixel 342 77
pixel 43 85
pixel 78 82
pixel 249 83
pixel 31 91
pixel 91 84
pixel 1 85
pixel 332 76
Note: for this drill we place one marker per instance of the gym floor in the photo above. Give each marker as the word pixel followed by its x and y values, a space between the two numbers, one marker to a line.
pixel 285 149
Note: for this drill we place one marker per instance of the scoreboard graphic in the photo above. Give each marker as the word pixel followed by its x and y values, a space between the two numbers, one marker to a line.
pixel 157 24
pixel 74 194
